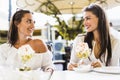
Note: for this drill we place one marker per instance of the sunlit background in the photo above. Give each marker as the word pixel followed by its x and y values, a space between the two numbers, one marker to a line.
pixel 41 19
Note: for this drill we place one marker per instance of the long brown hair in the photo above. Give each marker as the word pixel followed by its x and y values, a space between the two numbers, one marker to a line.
pixel 103 30
pixel 13 30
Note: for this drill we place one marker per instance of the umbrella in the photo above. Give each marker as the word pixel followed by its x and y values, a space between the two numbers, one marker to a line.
pixel 64 6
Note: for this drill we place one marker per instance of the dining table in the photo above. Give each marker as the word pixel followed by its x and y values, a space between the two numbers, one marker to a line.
pixel 7 73
pixel 76 75
pixel 106 73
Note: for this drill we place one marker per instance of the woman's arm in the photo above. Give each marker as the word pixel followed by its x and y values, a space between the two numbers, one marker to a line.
pixel 115 53
pixel 47 64
pixel 73 58
pixel 3 51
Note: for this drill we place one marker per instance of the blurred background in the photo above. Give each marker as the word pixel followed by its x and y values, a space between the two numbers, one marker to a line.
pixel 57 22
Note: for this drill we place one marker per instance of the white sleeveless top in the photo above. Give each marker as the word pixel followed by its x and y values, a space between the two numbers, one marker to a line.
pixel 11 56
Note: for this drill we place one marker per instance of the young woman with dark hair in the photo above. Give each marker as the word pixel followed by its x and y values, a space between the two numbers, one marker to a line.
pixel 102 42
pixel 20 40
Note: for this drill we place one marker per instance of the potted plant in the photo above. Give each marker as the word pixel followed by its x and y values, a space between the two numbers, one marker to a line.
pixel 67 31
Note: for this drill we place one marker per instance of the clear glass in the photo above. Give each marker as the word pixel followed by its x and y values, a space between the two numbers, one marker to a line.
pixel 24 59
pixel 82 52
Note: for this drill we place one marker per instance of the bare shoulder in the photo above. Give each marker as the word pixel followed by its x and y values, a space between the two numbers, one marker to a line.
pixel 37 41
pixel 38 45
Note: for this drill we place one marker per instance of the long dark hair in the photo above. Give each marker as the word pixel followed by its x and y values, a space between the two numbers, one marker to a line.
pixel 13 30
pixel 103 30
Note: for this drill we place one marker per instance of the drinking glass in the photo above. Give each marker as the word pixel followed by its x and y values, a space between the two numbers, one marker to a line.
pixel 24 59
pixel 82 51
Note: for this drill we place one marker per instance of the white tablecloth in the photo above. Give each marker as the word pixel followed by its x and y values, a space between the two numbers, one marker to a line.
pixel 72 75
pixel 10 74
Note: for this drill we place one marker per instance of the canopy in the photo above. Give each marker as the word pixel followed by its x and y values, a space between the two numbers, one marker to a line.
pixel 65 6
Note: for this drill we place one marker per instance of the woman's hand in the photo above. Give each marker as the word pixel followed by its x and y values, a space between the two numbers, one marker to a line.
pixel 49 70
pixel 96 64
pixel 71 66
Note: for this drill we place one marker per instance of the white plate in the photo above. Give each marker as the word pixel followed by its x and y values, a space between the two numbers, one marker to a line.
pixel 83 68
pixel 110 70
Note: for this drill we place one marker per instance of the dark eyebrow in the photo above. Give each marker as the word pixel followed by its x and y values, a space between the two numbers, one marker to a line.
pixel 31 20
pixel 85 17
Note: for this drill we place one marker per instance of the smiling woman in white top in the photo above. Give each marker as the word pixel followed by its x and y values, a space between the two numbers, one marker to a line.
pixel 20 35
pixel 103 42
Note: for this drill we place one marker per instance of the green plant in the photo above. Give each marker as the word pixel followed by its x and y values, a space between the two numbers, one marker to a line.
pixel 68 32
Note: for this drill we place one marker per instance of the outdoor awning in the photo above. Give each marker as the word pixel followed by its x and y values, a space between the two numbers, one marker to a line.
pixel 65 6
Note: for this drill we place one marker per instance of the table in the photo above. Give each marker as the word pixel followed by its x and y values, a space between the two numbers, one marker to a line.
pixel 11 74
pixel 72 75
